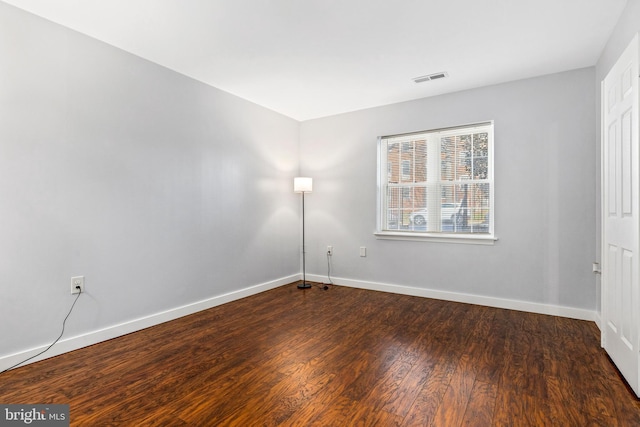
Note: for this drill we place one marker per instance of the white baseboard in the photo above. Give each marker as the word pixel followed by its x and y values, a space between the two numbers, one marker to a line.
pixel 76 342
pixel 598 320
pixel 531 307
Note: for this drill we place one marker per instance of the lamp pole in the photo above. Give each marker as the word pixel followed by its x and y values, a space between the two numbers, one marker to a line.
pixel 304 284
pixel 303 185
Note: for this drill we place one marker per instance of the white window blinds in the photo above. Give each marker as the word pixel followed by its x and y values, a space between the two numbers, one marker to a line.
pixel 438 181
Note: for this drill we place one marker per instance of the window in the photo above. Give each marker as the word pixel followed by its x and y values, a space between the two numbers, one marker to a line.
pixel 437 183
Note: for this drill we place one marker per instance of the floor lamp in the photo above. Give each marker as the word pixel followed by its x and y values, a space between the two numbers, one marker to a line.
pixel 303 185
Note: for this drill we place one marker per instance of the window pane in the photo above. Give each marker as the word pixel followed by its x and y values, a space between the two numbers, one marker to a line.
pixel 420 197
pixel 392 208
pixel 448 159
pixel 463 156
pixel 480 168
pixel 481 144
pixel 407 161
pixel 406 170
pixel 480 155
pixel 393 165
pixel 419 214
pixel 421 161
pixel 455 153
pixel 406 158
pixel 474 209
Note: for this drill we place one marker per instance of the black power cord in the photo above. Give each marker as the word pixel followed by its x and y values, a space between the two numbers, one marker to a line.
pixel 325 287
pixel 53 343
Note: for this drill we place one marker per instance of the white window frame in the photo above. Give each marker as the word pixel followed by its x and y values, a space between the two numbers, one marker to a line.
pixel 434 174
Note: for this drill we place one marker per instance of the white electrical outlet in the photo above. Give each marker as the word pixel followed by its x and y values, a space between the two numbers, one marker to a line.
pixel 75 282
pixel 363 251
pixel 596 267
pixel 329 250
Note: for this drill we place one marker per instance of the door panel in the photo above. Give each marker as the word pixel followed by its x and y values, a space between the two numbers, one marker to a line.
pixel 620 225
pixel 626 297
pixel 612 166
pixel 626 158
pixel 612 285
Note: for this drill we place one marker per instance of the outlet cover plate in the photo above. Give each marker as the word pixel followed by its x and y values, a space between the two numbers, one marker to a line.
pixel 77 281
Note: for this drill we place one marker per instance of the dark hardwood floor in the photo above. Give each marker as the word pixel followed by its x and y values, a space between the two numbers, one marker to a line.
pixel 338 357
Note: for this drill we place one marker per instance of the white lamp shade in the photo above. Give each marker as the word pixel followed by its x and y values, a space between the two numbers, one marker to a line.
pixel 302 184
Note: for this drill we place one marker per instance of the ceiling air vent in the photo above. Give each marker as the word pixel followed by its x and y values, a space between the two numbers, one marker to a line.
pixel 430 77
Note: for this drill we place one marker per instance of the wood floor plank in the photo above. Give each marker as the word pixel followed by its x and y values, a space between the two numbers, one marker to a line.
pixel 481 404
pixel 343 356
pixel 454 402
pixel 429 399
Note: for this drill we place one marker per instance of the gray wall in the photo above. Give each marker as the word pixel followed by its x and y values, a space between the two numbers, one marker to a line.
pixel 160 190
pixel 545 151
pixel 627 27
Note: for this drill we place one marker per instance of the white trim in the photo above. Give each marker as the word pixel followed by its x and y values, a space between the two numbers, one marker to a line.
pixel 79 341
pixel 602 211
pixel 468 239
pixel 433 137
pixel 531 307
pixel 598 320
pixel 450 130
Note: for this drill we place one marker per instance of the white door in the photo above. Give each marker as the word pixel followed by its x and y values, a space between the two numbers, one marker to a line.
pixel 620 209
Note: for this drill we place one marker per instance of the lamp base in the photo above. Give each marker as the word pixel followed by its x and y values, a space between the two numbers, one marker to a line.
pixel 304 285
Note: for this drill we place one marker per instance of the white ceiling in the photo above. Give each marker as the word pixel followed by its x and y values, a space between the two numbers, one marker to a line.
pixel 313 58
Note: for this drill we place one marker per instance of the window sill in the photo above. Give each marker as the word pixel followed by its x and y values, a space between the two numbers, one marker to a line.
pixel 467 239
